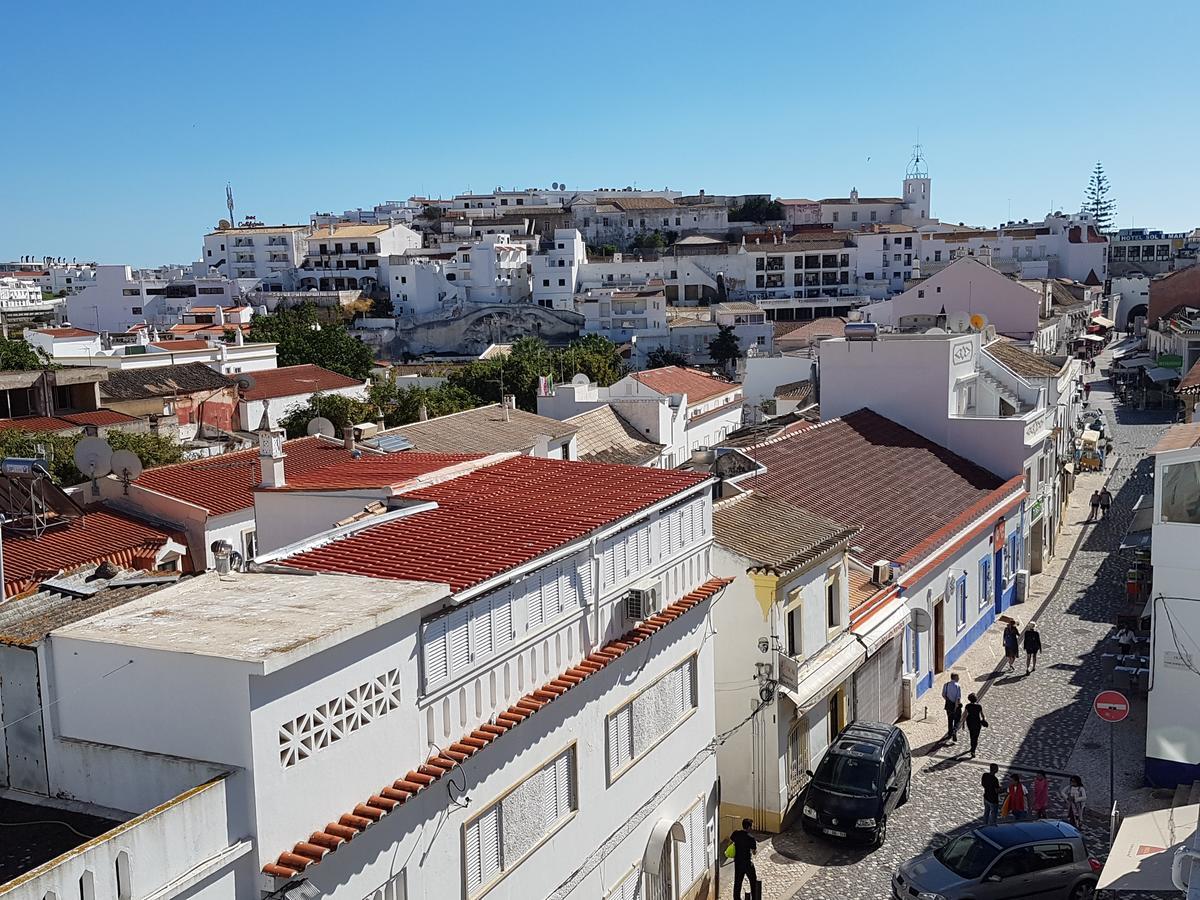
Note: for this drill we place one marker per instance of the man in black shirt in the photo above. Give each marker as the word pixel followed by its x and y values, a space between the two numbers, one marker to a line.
pixel 744 848
pixel 991 795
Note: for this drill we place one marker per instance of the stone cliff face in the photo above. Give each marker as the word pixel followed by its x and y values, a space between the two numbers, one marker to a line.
pixel 473 332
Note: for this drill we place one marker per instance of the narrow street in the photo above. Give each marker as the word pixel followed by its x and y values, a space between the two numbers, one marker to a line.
pixel 1040 721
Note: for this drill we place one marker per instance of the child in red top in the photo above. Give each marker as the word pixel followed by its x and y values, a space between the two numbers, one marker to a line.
pixel 1015 801
pixel 1041 795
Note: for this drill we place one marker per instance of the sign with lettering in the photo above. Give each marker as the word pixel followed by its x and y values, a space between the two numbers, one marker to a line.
pixel 789 673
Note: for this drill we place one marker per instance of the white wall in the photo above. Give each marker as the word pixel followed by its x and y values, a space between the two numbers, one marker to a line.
pixel 250 411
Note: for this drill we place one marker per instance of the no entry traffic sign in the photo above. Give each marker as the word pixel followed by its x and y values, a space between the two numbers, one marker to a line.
pixel 1111 706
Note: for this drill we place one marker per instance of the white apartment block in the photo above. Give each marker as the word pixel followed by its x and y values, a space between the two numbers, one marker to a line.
pixel 619 220
pixel 388 212
pixel 121 298
pixel 352 257
pixel 556 271
pixel 477 715
pixel 254 250
pixel 439 283
pixel 19 292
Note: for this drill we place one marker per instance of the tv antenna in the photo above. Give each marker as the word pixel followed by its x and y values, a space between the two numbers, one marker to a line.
pixel 229 202
pixel 93 457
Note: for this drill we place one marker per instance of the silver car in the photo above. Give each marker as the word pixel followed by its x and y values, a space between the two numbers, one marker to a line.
pixel 1045 859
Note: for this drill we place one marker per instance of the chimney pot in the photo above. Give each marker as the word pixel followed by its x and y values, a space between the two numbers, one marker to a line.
pixel 348 438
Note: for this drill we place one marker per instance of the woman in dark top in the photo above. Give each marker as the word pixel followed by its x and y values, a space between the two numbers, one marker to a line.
pixel 975 720
pixel 1033 646
pixel 1011 644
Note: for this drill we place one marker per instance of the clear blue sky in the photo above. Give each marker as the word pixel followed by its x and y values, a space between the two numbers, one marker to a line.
pixel 127 119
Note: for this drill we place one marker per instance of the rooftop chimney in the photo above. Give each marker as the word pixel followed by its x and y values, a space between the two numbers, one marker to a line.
pixel 348 438
pixel 270 452
pixel 423 413
pixel 220 317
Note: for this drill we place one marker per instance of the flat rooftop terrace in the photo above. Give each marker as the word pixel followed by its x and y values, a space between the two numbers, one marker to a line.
pixel 31 835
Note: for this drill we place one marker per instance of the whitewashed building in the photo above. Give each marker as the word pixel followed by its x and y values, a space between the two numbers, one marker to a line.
pixel 121 298
pixel 254 250
pixel 352 257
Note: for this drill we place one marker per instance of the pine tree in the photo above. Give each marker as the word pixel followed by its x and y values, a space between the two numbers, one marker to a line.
pixel 1097 202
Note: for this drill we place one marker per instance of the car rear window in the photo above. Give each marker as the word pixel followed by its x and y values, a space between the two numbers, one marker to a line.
pixel 967 855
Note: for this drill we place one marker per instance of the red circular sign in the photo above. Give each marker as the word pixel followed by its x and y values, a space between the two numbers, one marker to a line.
pixel 1111 706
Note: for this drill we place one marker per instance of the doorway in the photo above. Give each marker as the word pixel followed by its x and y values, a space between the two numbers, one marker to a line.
pixel 939 637
pixel 835 715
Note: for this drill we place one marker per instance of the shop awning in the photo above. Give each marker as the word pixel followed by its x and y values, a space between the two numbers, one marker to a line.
pixel 1140 858
pixel 1136 362
pixel 1126 346
pixel 1160 375
pixel 1093 337
pixel 1100 320
pixel 811 681
pixel 882 626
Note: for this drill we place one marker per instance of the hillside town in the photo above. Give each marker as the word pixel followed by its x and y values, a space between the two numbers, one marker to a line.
pixel 605 543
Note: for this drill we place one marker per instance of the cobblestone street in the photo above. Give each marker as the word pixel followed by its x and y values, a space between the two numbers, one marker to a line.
pixel 1040 721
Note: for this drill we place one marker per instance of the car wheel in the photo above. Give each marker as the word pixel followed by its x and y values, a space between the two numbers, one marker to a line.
pixel 881 832
pixel 1085 890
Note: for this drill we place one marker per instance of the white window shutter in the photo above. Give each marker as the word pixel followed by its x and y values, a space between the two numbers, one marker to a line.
pixel 608 562
pixel 434 652
pixel 551 592
pixel 535 609
pixel 474 875
pixel 502 618
pixel 643 558
pixel 482 644
pixel 489 844
pixel 564 783
pixel 621 559
pixel 583 574
pixel 458 626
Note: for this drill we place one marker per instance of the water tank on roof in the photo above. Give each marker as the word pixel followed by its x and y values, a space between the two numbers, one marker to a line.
pixel 861 331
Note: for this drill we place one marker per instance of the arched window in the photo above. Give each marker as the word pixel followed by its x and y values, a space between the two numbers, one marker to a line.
pixel 87 885
pixel 124 884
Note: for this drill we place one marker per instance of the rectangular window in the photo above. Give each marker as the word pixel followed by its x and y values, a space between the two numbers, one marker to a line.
pixel 136 310
pixel 644 721
pixel 833 606
pixel 1180 488
pixel 874 215
pixel 985 580
pixel 131 292
pixel 1012 556
pixel 694 855
pixel 835 217
pixel 504 834
pixel 629 887
pixel 960 601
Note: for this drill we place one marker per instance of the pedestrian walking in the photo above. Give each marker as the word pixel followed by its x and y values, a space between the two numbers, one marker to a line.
pixel 1012 641
pixel 1014 800
pixel 952 701
pixel 975 721
pixel 991 795
pixel 1125 639
pixel 1087 391
pixel 1076 798
pixel 1105 502
pixel 1033 646
pixel 1095 504
pixel 1041 795
pixel 744 848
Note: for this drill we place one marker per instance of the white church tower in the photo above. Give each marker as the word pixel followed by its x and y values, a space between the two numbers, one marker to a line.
pixel 917 201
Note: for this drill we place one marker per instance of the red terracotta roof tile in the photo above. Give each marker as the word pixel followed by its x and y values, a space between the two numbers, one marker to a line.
pixel 100 417
pixel 225 484
pixel 99 535
pixel 517 509
pixel 292 863
pixel 292 380
pixel 868 471
pixel 373 472
pixel 699 386
pixel 1190 383
pixel 36 423
pixel 178 346
pixel 67 332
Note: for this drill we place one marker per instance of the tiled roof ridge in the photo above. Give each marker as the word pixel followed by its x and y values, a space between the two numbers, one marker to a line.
pixel 785 434
pixel 291 863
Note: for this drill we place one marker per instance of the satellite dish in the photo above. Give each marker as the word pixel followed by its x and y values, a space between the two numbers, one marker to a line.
pixel 920 621
pixel 958 322
pixel 244 381
pixel 581 379
pixel 978 321
pixel 321 426
pixel 937 331
pixel 93 457
pixel 126 464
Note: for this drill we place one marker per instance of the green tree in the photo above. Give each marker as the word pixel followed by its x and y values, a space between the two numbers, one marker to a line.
pixel 724 347
pixel 757 209
pixel 660 357
pixel 302 338
pixel 19 356
pixel 432 213
pixel 649 240
pixel 401 405
pixel 338 409
pixel 152 449
pixel 1096 201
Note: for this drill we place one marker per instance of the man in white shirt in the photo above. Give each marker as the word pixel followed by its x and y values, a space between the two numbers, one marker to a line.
pixel 952 695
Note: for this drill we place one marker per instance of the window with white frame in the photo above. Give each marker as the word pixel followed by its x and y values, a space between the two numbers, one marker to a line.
pixel 833 598
pixel 454 642
pixel 509 830
pixel 629 887
pixel 693 855
pixel 960 601
pixel 985 580
pixel 641 723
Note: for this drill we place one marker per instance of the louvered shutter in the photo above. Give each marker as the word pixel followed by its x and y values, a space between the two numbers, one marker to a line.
pixel 502 618
pixel 551 592
pixel 687 528
pixel 620 739
pixel 474 874
pixel 643 560
pixel 564 784
pixel 621 562
pixel 481 629
pixel 434 652
pixel 608 565
pixel 630 887
pixel 583 574
pixel 489 844
pixel 534 610
pixel 459 641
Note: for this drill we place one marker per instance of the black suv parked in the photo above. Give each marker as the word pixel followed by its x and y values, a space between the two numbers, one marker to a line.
pixel 864 775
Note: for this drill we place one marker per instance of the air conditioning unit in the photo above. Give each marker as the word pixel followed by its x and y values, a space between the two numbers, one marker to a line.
pixel 881 572
pixel 642 602
pixel 365 430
